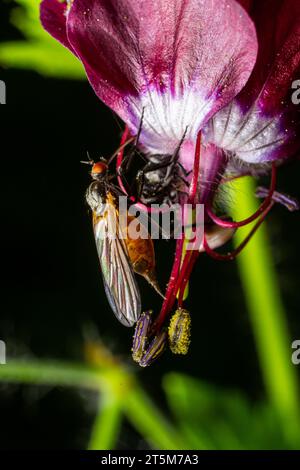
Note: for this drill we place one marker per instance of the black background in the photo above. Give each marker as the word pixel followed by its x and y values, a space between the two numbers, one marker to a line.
pixel 51 286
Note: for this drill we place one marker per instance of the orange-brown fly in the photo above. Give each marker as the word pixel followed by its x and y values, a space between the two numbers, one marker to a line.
pixel 119 254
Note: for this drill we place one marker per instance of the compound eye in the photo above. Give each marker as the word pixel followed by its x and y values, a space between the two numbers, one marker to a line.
pixel 99 168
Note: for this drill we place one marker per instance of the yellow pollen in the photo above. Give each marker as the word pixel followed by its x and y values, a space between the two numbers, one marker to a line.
pixel 180 332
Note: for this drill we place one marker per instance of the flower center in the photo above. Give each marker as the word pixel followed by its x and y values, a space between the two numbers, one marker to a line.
pixel 184 263
pixel 184 260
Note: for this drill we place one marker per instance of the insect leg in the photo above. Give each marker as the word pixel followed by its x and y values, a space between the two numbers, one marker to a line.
pixel 128 158
pixel 186 173
pixel 187 184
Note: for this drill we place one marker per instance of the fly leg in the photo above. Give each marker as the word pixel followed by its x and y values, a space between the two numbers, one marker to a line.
pixel 127 160
pixel 126 163
pixel 184 171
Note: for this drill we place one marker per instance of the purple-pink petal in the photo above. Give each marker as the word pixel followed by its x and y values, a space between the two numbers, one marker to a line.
pixel 53 19
pixel 263 123
pixel 180 60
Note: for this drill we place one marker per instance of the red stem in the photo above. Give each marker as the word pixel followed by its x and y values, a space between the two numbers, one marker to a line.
pixel 187 270
pixel 169 300
pixel 262 208
pixel 196 170
pixel 181 268
pixel 190 260
pixel 232 255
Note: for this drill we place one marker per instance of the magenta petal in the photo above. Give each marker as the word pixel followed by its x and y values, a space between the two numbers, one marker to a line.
pixel 100 33
pixel 181 60
pixel 262 123
pixel 53 18
pixel 278 62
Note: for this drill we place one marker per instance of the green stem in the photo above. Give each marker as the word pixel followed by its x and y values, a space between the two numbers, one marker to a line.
pixel 115 381
pixel 150 422
pixel 51 373
pixel 267 314
pixel 107 423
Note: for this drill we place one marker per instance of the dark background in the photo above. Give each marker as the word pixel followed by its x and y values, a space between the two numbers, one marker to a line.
pixel 51 287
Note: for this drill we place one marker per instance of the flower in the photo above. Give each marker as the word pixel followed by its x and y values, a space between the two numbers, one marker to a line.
pixel 179 60
pixel 216 75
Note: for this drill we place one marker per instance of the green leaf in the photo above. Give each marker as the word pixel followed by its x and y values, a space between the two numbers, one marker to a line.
pixel 38 51
pixel 212 418
pixel 42 58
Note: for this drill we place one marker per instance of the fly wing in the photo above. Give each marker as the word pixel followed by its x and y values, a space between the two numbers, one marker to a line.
pixel 118 276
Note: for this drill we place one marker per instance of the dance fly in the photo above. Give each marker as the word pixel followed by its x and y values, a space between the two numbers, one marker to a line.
pixel 120 256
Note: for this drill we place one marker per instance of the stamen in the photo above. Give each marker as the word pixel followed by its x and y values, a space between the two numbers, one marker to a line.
pixel 185 275
pixel 228 224
pixel 147 345
pixel 232 255
pixel 170 299
pixel 291 203
pixel 196 171
pixel 179 332
pixel 155 349
pixel 141 336
pixel 182 268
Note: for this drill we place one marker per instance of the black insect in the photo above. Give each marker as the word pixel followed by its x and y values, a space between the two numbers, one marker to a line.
pixel 162 179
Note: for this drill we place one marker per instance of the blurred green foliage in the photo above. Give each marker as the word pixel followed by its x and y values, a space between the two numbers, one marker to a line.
pixel 38 51
pixel 201 416
pixel 214 418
